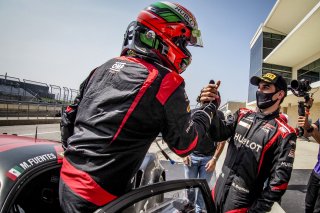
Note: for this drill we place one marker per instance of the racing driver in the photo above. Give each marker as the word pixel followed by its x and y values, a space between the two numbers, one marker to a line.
pixel 125 103
pixel 260 155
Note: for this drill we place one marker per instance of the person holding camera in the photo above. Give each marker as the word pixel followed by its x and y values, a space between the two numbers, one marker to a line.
pixel 261 149
pixel 312 200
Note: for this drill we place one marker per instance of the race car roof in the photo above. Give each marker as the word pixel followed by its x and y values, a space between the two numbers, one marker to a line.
pixel 8 142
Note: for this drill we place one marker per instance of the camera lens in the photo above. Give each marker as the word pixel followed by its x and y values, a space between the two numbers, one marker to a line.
pixel 295 84
pixel 300 87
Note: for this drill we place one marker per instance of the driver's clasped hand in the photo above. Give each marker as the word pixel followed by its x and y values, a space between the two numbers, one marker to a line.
pixel 210 93
pixel 210 99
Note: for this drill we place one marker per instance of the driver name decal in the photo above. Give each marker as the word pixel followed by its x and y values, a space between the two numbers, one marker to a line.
pixel 36 160
pixel 17 170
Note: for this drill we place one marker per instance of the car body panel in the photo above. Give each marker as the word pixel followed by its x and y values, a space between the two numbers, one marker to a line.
pixel 24 159
pixel 19 155
pixel 146 192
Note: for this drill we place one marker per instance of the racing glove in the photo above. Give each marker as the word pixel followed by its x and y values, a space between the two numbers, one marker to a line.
pixel 67 123
pixel 211 107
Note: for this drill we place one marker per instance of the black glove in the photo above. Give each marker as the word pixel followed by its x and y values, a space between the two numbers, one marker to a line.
pixel 68 118
pixel 210 108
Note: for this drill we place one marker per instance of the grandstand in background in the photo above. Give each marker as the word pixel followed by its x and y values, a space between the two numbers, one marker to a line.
pixel 27 98
pixel 12 88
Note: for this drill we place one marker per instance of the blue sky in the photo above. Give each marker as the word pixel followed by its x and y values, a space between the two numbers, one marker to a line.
pixel 60 41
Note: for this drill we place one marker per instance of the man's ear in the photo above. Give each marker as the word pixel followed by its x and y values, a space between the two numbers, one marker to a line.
pixel 280 94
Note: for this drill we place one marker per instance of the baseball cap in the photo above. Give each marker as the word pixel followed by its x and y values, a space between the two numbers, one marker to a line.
pixel 271 78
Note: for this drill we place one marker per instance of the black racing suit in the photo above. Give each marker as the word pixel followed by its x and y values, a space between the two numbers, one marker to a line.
pixel 209 147
pixel 258 164
pixel 126 103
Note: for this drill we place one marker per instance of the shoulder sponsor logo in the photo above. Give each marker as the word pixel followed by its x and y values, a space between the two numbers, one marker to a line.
pixel 247 143
pixel 117 67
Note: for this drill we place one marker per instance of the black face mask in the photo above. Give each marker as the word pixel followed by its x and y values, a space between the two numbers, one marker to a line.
pixel 264 100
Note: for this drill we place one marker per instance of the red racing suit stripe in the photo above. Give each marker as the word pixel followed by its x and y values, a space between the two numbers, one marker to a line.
pixel 83 185
pixel 265 149
pixel 168 85
pixel 189 149
pixel 242 210
pixel 153 72
pixel 212 191
pixel 280 187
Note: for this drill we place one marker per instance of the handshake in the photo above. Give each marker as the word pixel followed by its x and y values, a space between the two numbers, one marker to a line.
pixel 210 98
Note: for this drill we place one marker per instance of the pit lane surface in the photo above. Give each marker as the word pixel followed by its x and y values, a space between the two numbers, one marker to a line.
pixel 292 201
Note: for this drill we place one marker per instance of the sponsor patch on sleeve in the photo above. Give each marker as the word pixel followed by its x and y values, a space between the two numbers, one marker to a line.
pixel 286 164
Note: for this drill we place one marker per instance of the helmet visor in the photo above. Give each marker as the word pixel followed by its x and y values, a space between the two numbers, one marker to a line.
pixel 184 64
pixel 195 38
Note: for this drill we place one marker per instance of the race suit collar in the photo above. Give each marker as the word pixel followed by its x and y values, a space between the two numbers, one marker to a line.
pixel 268 116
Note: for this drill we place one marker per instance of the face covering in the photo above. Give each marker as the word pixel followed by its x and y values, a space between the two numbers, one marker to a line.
pixel 264 100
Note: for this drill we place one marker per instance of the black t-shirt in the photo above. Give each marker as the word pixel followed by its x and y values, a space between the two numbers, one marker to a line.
pixel 208 146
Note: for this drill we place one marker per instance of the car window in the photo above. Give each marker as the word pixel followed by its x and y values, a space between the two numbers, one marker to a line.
pixel 175 201
pixel 165 197
pixel 39 193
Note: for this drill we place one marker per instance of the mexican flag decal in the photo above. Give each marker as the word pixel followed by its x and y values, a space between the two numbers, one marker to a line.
pixel 14 173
